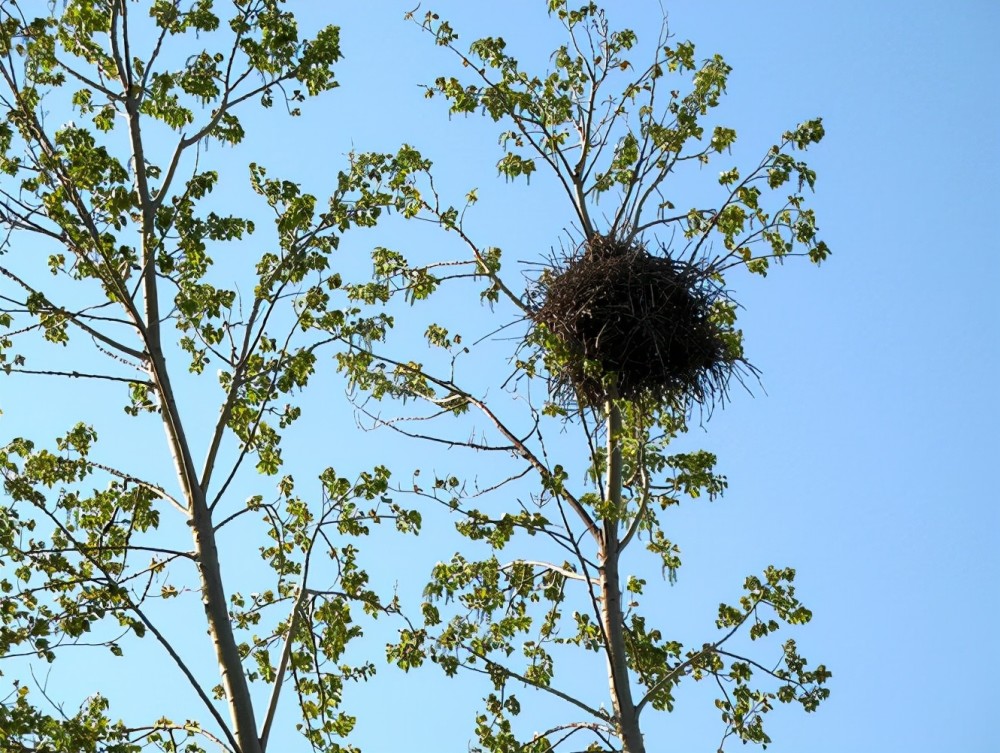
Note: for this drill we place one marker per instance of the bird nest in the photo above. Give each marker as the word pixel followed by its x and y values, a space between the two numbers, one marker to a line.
pixel 636 325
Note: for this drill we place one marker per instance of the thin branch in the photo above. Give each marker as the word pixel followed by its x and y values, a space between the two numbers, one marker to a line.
pixel 555 568
pixel 231 518
pixel 89 82
pixel 279 675
pixel 519 444
pixel 134 607
pixel 761 667
pixel 78 375
pixel 585 566
pixel 643 505
pixel 250 343
pixel 178 727
pixel 173 553
pixel 224 107
pixel 494 278
pixel 189 675
pixel 548 689
pixel 73 318
pixel 681 668
pixel 394 425
pixel 159 491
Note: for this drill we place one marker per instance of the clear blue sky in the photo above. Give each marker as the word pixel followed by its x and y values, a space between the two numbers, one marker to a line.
pixel 866 464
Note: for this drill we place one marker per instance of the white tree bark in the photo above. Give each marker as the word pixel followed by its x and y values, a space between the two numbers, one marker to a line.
pixel 613 619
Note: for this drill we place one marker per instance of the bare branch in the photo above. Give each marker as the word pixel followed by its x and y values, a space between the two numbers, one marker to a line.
pixel 78 375
pixel 554 568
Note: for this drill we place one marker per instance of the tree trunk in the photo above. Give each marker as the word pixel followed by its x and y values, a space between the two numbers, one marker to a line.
pixel 213 594
pixel 612 615
pixel 618 674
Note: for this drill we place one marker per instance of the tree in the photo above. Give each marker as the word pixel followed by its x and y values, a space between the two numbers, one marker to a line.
pixel 108 258
pixel 126 229
pixel 613 133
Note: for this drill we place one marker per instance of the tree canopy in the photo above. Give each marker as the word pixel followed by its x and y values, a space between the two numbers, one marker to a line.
pixel 107 279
